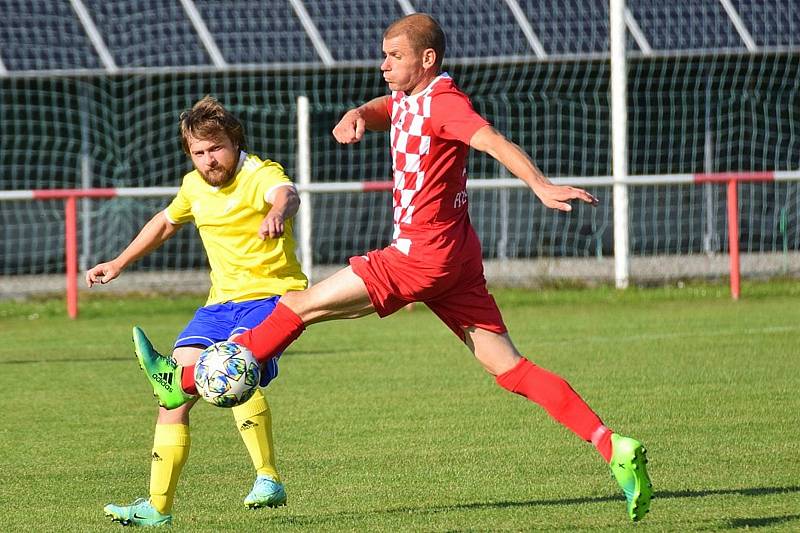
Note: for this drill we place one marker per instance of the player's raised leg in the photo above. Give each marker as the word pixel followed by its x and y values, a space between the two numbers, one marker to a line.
pixel 171 442
pixel 343 295
pixel 517 374
pixel 171 445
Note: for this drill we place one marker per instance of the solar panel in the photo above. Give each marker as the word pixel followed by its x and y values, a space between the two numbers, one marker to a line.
pixel 353 30
pixel 477 28
pixel 257 31
pixel 569 26
pixel 686 25
pixel 44 35
pixel 48 35
pixel 147 33
pixel 775 23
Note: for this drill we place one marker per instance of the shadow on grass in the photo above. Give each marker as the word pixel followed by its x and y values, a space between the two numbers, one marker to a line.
pixel 740 523
pixel 129 358
pixel 733 523
pixel 755 491
pixel 68 361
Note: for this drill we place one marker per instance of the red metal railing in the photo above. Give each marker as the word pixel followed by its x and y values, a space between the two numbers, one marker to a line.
pixel 71 196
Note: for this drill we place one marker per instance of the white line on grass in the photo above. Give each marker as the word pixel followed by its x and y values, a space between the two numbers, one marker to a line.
pixel 682 335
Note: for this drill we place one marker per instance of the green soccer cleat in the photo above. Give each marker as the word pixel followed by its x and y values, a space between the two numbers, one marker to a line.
pixel 163 372
pixel 629 466
pixel 139 513
pixel 266 493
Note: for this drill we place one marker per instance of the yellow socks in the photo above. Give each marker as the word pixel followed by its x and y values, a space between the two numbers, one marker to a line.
pixel 171 444
pixel 170 450
pixel 254 421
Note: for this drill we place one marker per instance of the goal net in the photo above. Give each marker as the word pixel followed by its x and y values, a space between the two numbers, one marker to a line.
pixel 91 91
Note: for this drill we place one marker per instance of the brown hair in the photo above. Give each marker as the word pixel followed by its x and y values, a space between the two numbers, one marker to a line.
pixel 208 119
pixel 422 31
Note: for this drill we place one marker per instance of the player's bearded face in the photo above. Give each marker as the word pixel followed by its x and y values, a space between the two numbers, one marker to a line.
pixel 215 159
pixel 404 68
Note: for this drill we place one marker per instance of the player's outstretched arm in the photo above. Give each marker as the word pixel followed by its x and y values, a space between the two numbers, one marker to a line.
pixel 285 203
pixel 373 116
pixel 489 140
pixel 157 230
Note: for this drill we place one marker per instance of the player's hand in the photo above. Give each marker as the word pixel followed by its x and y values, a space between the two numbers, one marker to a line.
pixel 350 128
pixel 272 226
pixel 558 196
pixel 102 273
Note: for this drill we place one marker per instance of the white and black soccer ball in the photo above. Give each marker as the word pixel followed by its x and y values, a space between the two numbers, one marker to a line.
pixel 226 374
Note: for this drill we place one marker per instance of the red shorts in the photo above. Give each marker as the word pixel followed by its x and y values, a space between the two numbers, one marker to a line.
pixel 457 293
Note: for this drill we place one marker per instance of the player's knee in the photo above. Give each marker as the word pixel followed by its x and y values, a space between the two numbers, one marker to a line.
pixel 496 360
pixel 179 415
pixel 495 352
pixel 303 303
pixel 498 363
pixel 187 355
pixel 293 300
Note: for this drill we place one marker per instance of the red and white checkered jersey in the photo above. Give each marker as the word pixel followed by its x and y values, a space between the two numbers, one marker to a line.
pixel 430 136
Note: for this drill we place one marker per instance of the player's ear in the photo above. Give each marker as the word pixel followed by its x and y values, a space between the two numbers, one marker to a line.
pixel 428 58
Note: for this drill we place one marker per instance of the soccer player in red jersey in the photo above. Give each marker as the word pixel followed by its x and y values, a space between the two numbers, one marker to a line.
pixel 435 255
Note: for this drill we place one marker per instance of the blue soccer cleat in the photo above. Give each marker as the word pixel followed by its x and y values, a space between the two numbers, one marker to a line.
pixel 266 493
pixel 139 513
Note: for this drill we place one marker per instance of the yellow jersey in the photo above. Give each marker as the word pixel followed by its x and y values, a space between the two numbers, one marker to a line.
pixel 243 267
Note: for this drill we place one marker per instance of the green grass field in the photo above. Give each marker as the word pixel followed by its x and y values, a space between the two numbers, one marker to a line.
pixel 390 425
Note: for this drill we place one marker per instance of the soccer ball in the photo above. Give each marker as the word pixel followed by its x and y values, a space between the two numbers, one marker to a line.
pixel 226 374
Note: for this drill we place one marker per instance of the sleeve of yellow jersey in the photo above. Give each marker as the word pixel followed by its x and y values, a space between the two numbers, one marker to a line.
pixel 269 178
pixel 179 211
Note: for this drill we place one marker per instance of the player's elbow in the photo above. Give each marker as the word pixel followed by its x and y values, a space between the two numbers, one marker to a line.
pixel 379 124
pixel 292 205
pixel 169 230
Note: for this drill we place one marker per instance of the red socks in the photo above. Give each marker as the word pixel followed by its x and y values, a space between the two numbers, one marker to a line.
pixel 274 334
pixel 187 380
pixel 266 340
pixel 559 399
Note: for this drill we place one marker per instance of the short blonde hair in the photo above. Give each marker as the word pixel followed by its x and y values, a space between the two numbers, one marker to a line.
pixel 422 31
pixel 208 119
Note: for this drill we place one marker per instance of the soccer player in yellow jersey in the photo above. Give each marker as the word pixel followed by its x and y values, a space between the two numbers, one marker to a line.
pixel 243 208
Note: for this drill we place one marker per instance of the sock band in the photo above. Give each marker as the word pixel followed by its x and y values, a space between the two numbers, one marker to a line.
pixel 256 405
pixel 171 435
pixel 187 380
pixel 510 379
pixel 599 433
